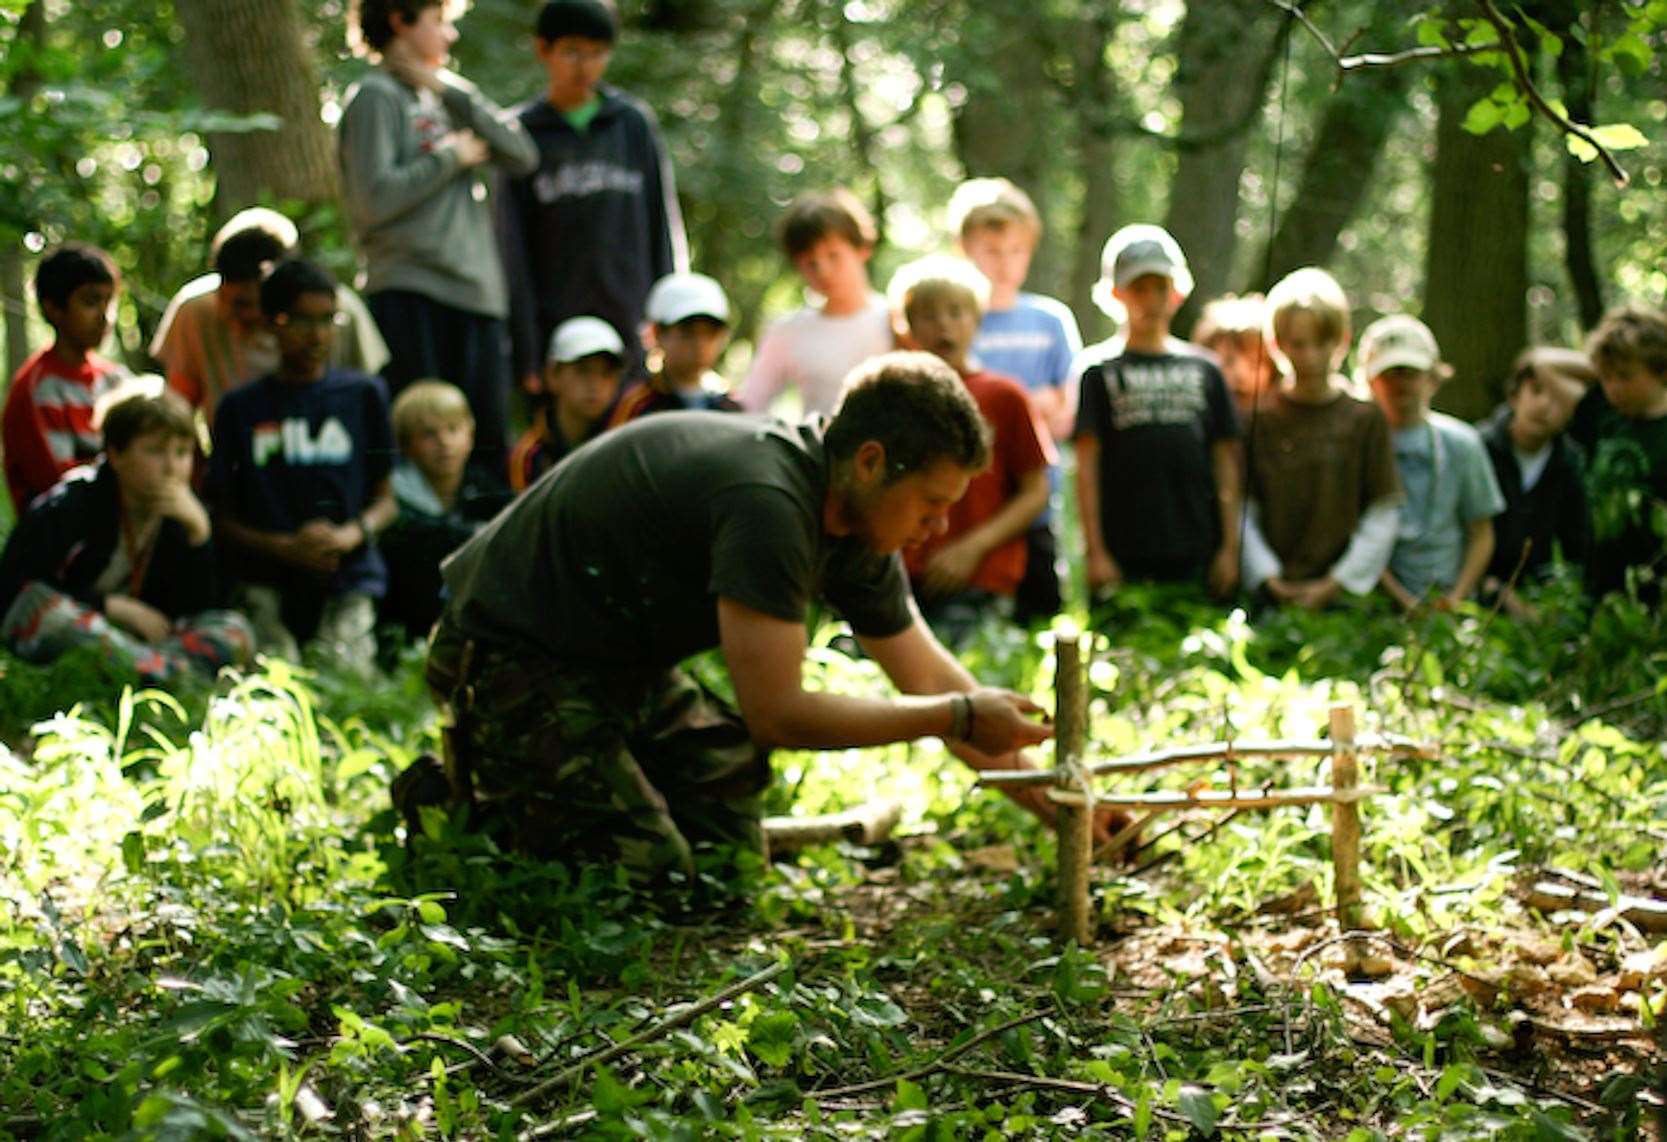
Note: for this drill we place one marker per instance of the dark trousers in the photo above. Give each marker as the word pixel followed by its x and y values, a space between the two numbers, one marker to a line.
pixel 1038 594
pixel 430 340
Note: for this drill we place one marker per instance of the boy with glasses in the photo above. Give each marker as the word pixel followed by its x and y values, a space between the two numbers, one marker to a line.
pixel 299 481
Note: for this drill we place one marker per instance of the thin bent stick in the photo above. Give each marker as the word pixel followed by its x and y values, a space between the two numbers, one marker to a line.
pixel 659 1030
pixel 931 1067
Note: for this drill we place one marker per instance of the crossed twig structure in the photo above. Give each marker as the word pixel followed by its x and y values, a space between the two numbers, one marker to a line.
pixel 1073 792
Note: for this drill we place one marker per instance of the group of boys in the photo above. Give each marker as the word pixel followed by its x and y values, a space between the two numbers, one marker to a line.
pixel 1247 460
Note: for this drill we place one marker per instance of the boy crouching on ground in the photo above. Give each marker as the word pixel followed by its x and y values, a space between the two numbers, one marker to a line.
pixel 443 499
pixel 119 556
pixel 299 481
pixel 1540 472
pixel 1323 495
pixel 1445 538
pixel 1622 424
pixel 973 567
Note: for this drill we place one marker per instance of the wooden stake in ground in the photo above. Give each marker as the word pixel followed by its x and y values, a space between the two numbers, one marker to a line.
pixel 1345 817
pixel 1073 816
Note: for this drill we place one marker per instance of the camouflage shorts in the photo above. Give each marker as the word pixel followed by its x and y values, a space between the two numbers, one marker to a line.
pixel 591 763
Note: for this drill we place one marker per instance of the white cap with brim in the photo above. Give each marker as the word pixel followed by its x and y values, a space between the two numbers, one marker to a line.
pixel 1398 341
pixel 1133 252
pixel 678 297
pixel 581 337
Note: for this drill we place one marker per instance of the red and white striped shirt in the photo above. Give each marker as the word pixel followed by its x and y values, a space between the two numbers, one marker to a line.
pixel 47 426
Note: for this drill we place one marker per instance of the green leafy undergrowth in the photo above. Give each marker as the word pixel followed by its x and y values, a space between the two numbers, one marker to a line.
pixel 213 928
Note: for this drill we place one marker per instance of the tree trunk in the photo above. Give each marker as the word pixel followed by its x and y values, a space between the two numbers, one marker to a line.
pixel 1476 271
pixel 1575 72
pixel 31 31
pixel 1095 151
pixel 733 158
pixel 999 130
pixel 1336 173
pixel 253 56
pixel 862 132
pixel 1226 50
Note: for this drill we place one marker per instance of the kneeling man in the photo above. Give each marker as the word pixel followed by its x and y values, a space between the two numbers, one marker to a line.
pixel 556 659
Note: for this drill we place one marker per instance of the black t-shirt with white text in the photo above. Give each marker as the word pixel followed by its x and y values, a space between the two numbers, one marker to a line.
pixel 1156 417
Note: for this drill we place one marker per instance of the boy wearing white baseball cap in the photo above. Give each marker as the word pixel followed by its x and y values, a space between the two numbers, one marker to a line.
pixel 1446 532
pixel 581 379
pixel 688 318
pixel 1157 435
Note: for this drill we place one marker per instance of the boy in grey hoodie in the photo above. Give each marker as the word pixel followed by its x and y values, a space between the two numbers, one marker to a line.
pixel 413 139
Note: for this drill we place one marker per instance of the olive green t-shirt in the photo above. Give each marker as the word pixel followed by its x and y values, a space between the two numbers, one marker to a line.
pixel 619 554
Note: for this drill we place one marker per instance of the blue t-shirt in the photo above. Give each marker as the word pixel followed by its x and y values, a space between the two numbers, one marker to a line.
pixel 287 453
pixel 1449 482
pixel 1034 342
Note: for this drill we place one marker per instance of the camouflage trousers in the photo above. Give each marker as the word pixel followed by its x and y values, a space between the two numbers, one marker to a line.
pixel 43 623
pixel 583 762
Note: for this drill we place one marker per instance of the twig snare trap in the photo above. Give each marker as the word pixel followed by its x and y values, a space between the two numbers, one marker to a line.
pixel 1072 789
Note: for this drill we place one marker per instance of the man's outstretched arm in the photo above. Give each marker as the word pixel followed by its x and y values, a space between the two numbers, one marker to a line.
pixel 765 656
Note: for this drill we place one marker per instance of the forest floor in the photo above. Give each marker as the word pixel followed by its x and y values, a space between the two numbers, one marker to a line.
pixel 213 928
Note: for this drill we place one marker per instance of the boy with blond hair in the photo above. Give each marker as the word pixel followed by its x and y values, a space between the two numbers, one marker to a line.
pixel 829 237
pixel 1622 423
pixel 973 567
pixel 1322 493
pixel 1027 336
pixel 1445 535
pixel 1157 438
pixel 443 499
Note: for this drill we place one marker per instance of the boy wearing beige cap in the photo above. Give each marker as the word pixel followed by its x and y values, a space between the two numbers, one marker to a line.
pixel 1446 531
pixel 579 384
pixel 688 318
pixel 1157 437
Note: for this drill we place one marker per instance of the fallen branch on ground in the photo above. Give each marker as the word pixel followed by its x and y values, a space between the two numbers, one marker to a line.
pixel 658 1031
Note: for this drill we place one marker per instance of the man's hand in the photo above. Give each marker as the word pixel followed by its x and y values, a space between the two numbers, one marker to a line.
pixel 952 567
pixel 1224 571
pixel 138 617
pixel 1103 572
pixel 1003 721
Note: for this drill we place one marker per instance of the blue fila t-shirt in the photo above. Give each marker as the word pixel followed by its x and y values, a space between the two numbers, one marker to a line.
pixel 1034 342
pixel 285 454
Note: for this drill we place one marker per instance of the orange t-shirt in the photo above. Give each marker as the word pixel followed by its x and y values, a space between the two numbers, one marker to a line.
pixel 1021 446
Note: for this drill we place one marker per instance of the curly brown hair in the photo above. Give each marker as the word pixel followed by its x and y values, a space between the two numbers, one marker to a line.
pixel 1630 335
pixel 916 407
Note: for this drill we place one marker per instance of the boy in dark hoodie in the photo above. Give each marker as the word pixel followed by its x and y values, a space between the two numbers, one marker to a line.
pixel 1540 471
pixel 598 223
pixel 118 555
